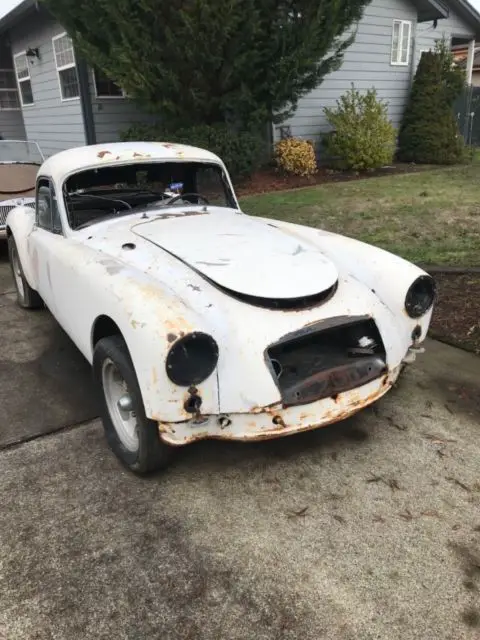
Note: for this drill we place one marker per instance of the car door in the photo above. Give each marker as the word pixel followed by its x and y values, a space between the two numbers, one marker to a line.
pixel 46 242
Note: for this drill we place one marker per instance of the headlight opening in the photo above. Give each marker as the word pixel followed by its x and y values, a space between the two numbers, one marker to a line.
pixel 192 359
pixel 420 296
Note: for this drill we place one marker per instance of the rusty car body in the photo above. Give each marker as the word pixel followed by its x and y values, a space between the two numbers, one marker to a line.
pixel 235 327
pixel 19 163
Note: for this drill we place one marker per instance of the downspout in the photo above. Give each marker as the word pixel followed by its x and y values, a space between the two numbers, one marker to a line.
pixel 86 101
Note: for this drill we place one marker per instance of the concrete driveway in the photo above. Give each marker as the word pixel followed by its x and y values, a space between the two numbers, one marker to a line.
pixel 369 529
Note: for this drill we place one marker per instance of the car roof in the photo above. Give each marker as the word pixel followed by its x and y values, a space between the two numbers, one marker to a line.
pixel 64 163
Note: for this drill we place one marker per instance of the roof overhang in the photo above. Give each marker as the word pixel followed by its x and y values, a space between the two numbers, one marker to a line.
pixel 429 10
pixel 17 13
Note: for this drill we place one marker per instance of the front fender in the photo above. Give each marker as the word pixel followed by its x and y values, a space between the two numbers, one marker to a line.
pixel 20 222
pixel 149 315
pixel 152 320
pixel 387 275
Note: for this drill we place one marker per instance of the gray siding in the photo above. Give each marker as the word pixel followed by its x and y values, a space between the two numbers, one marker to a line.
pixel 452 26
pixel 367 64
pixel 54 124
pixel 11 125
pixel 111 116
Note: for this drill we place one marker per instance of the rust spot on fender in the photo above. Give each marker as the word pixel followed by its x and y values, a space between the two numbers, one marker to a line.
pixel 171 337
pixel 154 376
pixel 102 154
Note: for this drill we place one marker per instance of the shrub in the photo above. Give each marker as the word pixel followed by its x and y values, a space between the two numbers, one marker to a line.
pixel 362 136
pixel 429 133
pixel 242 152
pixel 296 156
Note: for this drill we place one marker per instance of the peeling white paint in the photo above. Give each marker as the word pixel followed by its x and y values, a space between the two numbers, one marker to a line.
pixel 169 285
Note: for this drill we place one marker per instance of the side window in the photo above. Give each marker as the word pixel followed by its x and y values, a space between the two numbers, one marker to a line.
pixel 48 216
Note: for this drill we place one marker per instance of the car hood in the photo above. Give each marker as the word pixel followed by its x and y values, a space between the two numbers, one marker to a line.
pixel 240 253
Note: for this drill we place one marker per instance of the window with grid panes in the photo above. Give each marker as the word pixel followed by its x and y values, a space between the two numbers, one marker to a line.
pixel 8 91
pixel 22 71
pixel 104 87
pixel 66 67
pixel 401 38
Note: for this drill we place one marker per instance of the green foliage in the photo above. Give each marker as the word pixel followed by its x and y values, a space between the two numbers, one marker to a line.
pixel 453 76
pixel 242 152
pixel 296 156
pixel 363 137
pixel 207 61
pixel 429 132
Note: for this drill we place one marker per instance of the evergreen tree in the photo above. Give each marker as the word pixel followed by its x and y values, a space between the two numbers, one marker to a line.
pixel 429 132
pixel 212 61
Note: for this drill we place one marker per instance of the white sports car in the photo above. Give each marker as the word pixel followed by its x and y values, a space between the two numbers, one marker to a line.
pixel 201 321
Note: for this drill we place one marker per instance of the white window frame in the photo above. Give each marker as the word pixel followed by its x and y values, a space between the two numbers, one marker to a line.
pixel 14 88
pixel 99 97
pixel 398 61
pixel 72 65
pixel 20 80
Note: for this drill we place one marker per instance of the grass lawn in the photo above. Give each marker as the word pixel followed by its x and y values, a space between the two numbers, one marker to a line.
pixel 427 217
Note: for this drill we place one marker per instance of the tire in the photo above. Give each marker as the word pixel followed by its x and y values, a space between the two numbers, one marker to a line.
pixel 132 437
pixel 27 298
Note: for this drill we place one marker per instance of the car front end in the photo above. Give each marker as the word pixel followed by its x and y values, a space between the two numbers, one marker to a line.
pixel 297 370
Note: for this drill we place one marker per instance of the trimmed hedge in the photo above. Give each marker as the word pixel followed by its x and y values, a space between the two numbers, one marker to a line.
pixel 242 152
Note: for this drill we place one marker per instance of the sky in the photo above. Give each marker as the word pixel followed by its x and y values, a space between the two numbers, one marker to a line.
pixel 8 5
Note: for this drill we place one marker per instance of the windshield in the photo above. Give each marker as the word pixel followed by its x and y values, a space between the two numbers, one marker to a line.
pixel 98 194
pixel 19 162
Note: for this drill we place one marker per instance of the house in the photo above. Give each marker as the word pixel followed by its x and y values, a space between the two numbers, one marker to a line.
pixel 460 54
pixel 47 92
pixel 390 40
pixel 50 95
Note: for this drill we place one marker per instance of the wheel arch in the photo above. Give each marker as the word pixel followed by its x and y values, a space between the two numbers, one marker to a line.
pixel 104 327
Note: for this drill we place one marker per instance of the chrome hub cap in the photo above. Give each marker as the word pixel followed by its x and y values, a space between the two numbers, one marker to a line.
pixel 120 405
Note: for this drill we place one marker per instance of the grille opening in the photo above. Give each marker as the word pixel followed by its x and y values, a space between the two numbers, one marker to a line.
pixel 324 362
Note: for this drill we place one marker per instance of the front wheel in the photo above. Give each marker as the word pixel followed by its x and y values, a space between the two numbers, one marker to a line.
pixel 27 297
pixel 130 434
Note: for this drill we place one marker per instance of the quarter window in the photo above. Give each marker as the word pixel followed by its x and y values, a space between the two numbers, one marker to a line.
pixel 401 38
pixel 66 67
pixel 48 215
pixel 22 72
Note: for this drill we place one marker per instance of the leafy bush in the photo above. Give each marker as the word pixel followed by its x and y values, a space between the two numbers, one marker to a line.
pixel 208 61
pixel 242 152
pixel 296 156
pixel 429 133
pixel 362 136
